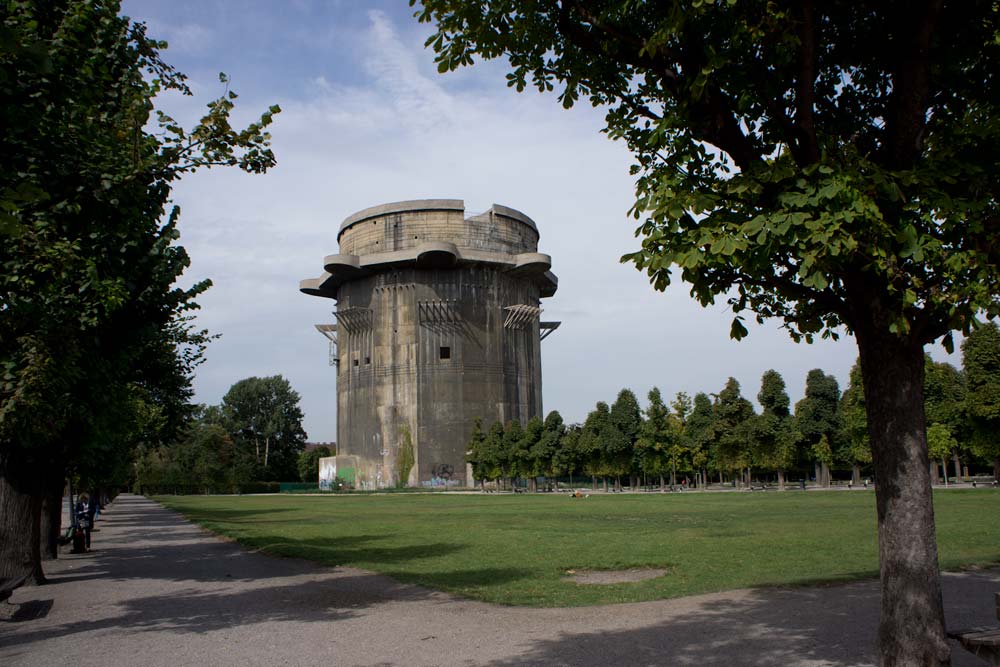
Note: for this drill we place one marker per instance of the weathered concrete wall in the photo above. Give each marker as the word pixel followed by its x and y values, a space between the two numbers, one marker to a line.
pixel 433 339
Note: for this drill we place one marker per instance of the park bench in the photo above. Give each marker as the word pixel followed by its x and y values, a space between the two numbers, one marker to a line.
pixel 982 642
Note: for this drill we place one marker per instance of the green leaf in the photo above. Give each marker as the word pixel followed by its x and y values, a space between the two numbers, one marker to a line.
pixel 737 331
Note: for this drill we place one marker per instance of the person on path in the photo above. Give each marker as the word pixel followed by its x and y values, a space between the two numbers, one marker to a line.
pixel 84 517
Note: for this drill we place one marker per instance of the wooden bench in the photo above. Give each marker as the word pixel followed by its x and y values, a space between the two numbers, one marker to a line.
pixel 982 642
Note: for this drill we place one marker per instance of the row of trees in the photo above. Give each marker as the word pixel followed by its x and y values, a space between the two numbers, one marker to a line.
pixel 96 347
pixel 254 435
pixel 723 435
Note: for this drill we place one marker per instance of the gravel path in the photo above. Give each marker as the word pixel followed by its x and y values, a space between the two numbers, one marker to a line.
pixel 158 590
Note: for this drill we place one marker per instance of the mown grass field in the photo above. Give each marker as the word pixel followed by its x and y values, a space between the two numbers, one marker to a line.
pixel 517 549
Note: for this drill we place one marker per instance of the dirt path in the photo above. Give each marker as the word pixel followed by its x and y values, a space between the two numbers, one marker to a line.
pixel 158 590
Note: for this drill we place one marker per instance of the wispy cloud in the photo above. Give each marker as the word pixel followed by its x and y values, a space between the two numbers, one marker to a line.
pixel 420 100
pixel 189 38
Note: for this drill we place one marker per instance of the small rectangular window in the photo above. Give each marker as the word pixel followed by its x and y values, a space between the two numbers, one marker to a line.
pixel 446 353
pixel 355 362
pixel 368 360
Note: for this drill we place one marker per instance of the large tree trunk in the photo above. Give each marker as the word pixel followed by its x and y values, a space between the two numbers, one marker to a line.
pixel 50 518
pixel 958 467
pixel 20 512
pixel 855 474
pixel 911 627
pixel 781 480
pixel 935 475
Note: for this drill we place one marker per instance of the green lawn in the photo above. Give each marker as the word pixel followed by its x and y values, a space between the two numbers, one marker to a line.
pixel 517 549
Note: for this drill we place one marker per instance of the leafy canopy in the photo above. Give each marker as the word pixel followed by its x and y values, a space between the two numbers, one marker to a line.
pixel 805 160
pixel 92 318
pixel 981 359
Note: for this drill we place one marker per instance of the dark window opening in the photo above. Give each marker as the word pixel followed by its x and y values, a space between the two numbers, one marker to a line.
pixel 446 353
pixel 368 360
pixel 355 362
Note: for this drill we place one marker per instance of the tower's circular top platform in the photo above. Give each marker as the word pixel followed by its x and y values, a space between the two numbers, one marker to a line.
pixel 416 205
pixel 433 234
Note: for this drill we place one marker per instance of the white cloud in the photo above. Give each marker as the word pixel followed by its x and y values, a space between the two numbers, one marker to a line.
pixel 189 38
pixel 322 84
pixel 418 100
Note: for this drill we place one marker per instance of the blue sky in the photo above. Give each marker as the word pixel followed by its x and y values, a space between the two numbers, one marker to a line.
pixel 367 119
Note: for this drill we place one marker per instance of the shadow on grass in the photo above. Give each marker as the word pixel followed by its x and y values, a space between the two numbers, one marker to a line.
pixel 353 550
pixel 252 514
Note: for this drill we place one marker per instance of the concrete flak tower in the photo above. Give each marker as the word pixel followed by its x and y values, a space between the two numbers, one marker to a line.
pixel 437 324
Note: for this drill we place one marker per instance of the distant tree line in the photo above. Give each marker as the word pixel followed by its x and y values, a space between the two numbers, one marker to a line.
pixel 722 437
pixel 255 435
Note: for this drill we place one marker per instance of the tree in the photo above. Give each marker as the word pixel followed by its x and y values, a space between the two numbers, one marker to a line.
pixel 817 419
pixel 546 453
pixel 406 458
pixel 87 289
pixel 981 361
pixel 567 458
pixel 854 444
pixel 265 420
pixel 940 445
pixel 309 463
pixel 772 443
pixel 590 443
pixel 679 450
pixel 772 396
pixel 944 403
pixel 513 455
pixel 625 424
pixel 698 434
pixel 824 164
pixel 653 448
pixel 533 457
pixel 732 420
pixel 493 446
pixel 203 459
pixel 476 454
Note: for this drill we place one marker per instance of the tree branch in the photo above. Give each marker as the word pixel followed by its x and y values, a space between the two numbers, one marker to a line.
pixel 719 125
pixel 806 86
pixel 907 109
